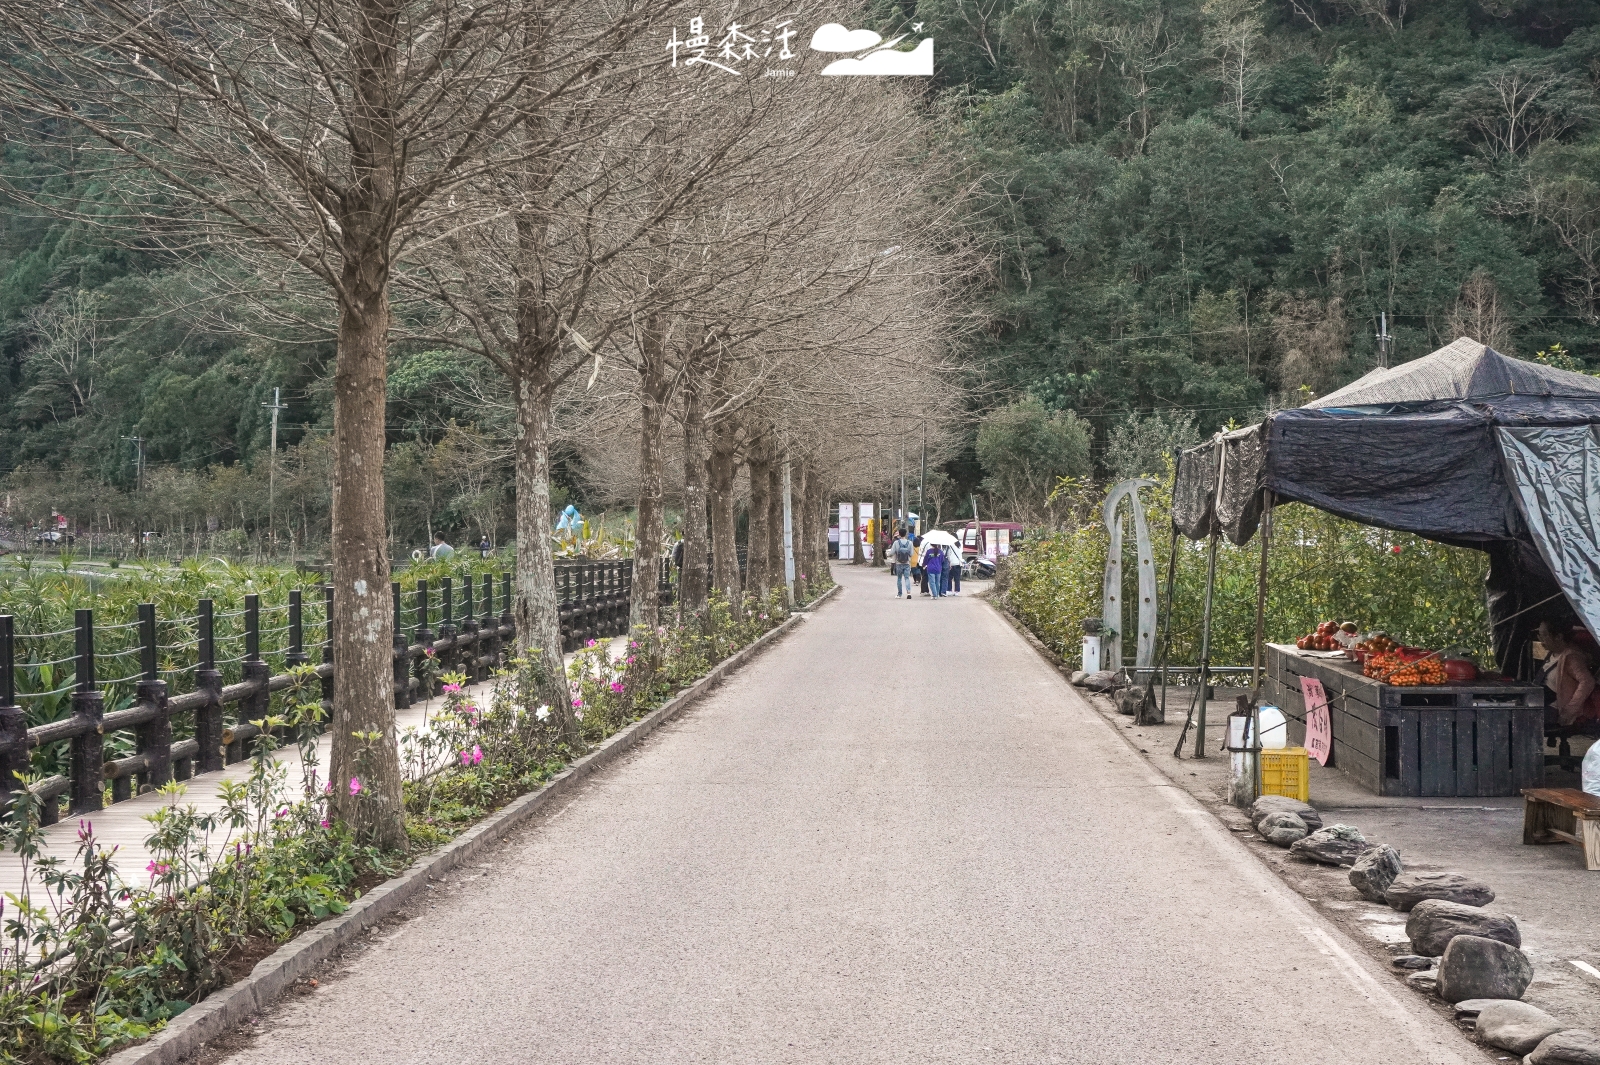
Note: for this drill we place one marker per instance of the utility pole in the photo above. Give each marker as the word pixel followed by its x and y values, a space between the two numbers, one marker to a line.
pixel 138 462
pixel 922 482
pixel 272 470
pixel 1384 340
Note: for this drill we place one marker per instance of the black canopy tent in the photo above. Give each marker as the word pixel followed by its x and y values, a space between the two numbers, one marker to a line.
pixel 1464 446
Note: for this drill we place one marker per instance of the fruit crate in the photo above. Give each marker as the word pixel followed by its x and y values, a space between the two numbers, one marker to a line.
pixel 1286 771
pixel 1484 738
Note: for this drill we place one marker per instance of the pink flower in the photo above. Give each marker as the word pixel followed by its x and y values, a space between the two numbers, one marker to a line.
pixel 591 643
pixel 633 646
pixel 428 651
pixel 577 701
pixel 628 661
pixel 85 829
pixel 355 785
pixel 327 789
pixel 466 759
pixel 324 822
pixel 451 689
pixel 156 869
pixel 282 813
pixel 616 687
pixel 477 755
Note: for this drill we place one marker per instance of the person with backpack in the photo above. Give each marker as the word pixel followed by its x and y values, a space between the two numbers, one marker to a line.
pixel 900 553
pixel 933 564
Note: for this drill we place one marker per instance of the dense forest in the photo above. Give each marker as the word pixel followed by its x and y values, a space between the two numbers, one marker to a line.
pixel 1195 210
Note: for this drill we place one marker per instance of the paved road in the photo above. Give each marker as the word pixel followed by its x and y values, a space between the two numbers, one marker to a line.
pixel 868 848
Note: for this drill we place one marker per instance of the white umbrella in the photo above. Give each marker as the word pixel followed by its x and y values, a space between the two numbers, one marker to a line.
pixel 939 536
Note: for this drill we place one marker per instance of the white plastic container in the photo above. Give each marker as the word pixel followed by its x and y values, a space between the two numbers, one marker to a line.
pixel 1274 728
pixel 1591 770
pixel 1091 654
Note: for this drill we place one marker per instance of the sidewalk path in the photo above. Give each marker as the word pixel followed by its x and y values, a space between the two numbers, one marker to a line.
pixel 862 849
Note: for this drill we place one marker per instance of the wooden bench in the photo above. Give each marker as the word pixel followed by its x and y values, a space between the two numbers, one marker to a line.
pixel 1563 815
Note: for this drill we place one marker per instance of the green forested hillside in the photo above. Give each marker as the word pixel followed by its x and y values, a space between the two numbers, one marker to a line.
pixel 1193 205
pixel 1206 205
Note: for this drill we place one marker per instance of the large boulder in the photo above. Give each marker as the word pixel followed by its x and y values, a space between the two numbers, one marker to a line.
pixel 1282 804
pixel 1474 967
pixel 1374 871
pixel 1408 889
pixel 1515 1026
pixel 1103 680
pixel 1435 922
pixel 1572 1047
pixel 1334 845
pixel 1282 828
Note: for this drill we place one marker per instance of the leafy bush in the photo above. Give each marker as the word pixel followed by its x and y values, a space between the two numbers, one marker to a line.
pixel 1319 568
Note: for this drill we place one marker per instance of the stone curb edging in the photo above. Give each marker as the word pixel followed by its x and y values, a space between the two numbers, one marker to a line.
pixel 818 601
pixel 299 957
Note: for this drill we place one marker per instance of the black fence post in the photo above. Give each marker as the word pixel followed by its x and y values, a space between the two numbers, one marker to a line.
pixel 507 622
pixel 153 738
pixel 13 723
pixel 424 637
pixel 402 652
pixel 88 774
pixel 296 655
pixel 449 662
pixel 491 627
pixel 327 645
pixel 208 719
pixel 469 632
pixel 258 704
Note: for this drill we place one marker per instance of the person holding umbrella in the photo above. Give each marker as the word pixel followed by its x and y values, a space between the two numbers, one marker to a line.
pixel 933 564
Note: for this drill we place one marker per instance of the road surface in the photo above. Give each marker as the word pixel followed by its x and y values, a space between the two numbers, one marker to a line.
pixel 898 836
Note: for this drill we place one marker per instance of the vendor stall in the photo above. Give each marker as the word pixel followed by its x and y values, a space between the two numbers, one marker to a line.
pixel 1464 446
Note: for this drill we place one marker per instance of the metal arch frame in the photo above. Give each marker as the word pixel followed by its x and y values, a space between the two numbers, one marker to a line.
pixel 1111 590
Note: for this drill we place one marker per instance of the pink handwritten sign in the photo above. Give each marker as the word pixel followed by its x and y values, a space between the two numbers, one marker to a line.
pixel 1319 726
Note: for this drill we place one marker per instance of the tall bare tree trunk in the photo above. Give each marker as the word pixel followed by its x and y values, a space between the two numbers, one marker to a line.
pixel 725 551
pixel 775 520
pixel 758 575
pixel 654 386
pixel 365 746
pixel 363 629
pixel 537 609
pixel 692 580
pixel 818 531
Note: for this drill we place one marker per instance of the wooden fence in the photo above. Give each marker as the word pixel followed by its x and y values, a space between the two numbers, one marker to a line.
pixel 153 733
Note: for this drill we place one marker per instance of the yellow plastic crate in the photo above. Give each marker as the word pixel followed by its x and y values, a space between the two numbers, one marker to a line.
pixel 1286 771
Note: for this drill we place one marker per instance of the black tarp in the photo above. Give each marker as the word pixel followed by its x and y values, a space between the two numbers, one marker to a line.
pixel 1464 446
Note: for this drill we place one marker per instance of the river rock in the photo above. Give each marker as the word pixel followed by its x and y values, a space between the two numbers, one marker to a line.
pixel 1414 961
pixel 1282 828
pixel 1334 845
pixel 1374 871
pixel 1474 967
pixel 1408 889
pixel 1434 922
pixel 1572 1047
pixel 1427 981
pixel 1274 804
pixel 1104 680
pixel 1515 1026
pixel 1469 1008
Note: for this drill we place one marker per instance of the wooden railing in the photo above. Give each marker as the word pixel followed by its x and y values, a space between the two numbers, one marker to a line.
pixel 154 735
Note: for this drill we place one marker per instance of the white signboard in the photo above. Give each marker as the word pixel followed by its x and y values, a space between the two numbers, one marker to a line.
pixel 847 542
pixel 865 523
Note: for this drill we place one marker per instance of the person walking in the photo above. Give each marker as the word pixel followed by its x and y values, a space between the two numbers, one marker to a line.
pixel 933 565
pixel 918 574
pixel 485 548
pixel 953 580
pixel 900 553
pixel 441 550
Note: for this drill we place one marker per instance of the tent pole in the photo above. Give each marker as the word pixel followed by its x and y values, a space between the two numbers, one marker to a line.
pixel 1261 630
pixel 1205 647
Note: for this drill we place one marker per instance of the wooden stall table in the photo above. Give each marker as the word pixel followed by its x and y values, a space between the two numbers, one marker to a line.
pixel 1563 815
pixel 1484 738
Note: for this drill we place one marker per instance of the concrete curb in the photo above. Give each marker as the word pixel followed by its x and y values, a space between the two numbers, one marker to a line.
pixel 297 959
pixel 818 601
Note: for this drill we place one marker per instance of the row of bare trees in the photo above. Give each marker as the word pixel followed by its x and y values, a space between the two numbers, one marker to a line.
pixel 750 273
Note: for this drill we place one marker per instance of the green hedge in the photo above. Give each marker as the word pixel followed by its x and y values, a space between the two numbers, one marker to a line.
pixel 1321 568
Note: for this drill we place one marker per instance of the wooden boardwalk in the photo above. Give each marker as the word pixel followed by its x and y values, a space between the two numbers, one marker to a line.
pixel 124 825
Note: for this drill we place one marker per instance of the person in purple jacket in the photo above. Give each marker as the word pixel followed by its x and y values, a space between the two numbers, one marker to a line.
pixel 933 562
